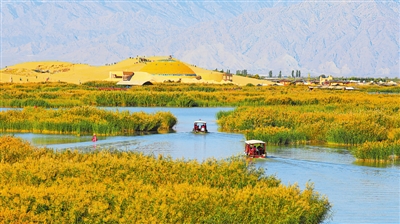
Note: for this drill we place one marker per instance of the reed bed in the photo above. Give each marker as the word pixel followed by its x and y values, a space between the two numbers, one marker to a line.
pixel 83 120
pixel 277 135
pixel 300 115
pixel 380 89
pixel 183 95
pixel 40 185
pixel 333 124
pixel 379 151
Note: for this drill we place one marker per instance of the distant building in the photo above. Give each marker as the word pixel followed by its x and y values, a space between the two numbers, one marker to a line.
pixel 325 80
pixel 120 74
pixel 329 81
pixel 285 82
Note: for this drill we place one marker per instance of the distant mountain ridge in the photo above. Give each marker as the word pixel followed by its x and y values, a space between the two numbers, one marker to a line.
pixel 338 38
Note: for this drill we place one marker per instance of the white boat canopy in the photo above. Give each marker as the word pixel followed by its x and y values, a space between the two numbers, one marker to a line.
pixel 202 122
pixel 254 142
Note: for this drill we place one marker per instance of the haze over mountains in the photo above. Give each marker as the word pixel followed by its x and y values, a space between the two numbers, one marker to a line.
pixel 339 38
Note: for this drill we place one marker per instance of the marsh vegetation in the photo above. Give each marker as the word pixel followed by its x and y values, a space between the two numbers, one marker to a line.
pixel 275 114
pixel 40 185
pixel 113 186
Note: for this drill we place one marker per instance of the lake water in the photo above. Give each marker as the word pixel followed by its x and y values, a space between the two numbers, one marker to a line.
pixel 359 193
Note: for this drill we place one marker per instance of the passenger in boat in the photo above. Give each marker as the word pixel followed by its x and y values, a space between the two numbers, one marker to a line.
pixel 203 128
pixel 252 150
pixel 261 150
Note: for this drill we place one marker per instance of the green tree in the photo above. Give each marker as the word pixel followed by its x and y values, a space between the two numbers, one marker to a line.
pixel 280 74
pixel 293 73
pixel 270 73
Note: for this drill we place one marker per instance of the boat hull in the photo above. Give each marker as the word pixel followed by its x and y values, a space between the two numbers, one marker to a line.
pixel 263 156
pixel 200 132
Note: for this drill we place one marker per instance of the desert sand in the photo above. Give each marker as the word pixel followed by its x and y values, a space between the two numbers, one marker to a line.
pixel 57 71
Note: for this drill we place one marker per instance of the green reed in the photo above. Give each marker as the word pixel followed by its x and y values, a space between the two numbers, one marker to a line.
pixel 277 135
pixel 379 151
pixel 84 120
pixel 299 124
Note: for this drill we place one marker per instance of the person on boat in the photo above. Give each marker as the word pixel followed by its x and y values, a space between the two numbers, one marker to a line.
pixel 203 128
pixel 252 151
pixel 247 150
pixel 256 152
pixel 260 150
pixel 94 138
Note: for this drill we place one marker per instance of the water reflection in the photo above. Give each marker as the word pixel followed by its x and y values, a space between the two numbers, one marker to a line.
pixel 379 164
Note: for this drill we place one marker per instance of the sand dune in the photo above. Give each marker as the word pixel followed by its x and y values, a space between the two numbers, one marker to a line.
pixel 57 71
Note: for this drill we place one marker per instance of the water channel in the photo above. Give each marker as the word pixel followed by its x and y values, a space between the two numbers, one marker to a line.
pixel 360 193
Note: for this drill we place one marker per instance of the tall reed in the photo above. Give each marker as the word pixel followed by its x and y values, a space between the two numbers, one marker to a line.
pixel 185 95
pixel 316 123
pixel 378 151
pixel 276 135
pixel 84 120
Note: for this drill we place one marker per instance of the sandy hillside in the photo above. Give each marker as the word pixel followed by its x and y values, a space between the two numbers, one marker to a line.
pixel 55 71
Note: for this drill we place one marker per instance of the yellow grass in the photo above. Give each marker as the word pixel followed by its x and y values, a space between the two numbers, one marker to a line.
pixel 58 71
pixel 38 185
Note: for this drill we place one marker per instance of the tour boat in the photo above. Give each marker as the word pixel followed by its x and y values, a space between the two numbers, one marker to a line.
pixel 200 127
pixel 255 149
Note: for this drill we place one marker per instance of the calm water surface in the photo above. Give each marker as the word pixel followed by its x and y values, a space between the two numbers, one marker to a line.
pixel 359 193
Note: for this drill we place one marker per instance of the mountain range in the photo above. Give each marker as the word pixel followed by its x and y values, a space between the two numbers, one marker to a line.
pixel 339 38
